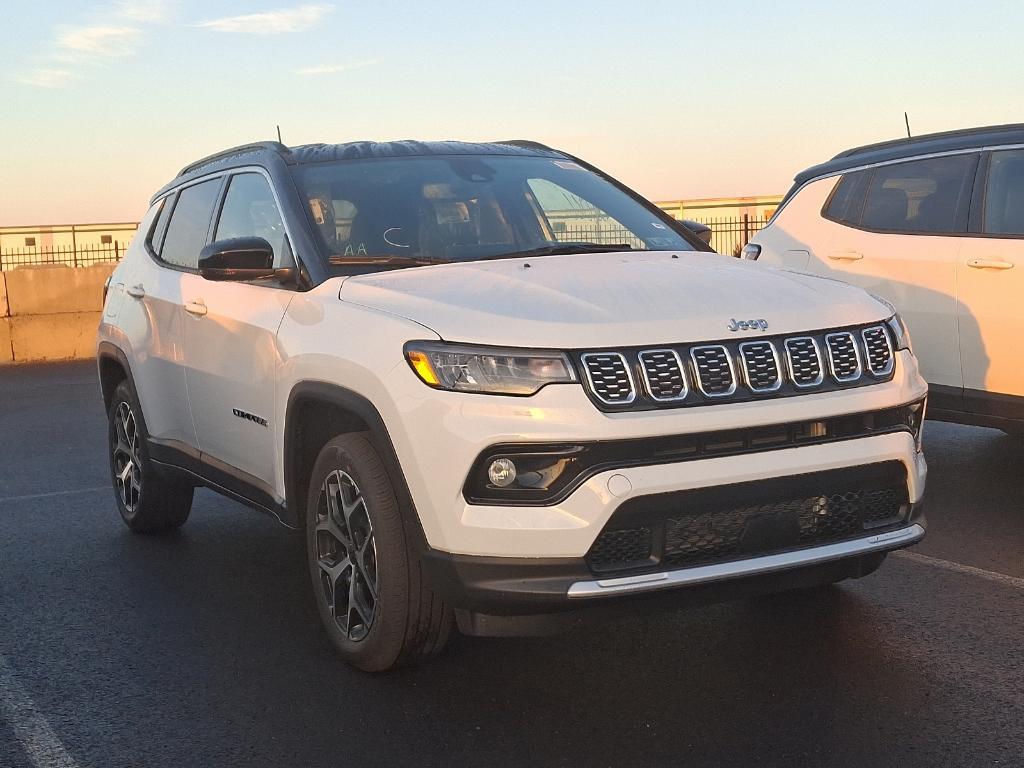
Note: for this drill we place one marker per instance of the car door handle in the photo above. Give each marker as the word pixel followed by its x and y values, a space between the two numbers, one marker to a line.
pixel 989 264
pixel 135 291
pixel 846 256
pixel 197 308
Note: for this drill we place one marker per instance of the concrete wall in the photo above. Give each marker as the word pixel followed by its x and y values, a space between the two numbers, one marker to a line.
pixel 50 313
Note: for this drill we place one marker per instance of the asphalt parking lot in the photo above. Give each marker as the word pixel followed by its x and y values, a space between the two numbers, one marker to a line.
pixel 204 648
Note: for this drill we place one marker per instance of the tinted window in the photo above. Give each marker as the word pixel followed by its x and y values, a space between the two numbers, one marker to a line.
pixel 190 222
pixel 847 199
pixel 251 211
pixel 1004 193
pixel 922 196
pixel 156 235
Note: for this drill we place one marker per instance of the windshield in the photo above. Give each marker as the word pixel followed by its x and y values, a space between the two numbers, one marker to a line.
pixel 422 210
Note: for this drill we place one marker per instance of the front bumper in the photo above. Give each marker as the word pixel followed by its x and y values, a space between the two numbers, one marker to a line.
pixel 504 586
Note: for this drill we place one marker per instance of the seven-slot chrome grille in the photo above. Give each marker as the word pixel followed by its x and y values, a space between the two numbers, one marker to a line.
pixel 738 370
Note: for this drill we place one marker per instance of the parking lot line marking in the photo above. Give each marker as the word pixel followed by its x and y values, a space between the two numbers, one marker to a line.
pixel 30 727
pixel 1001 578
pixel 51 494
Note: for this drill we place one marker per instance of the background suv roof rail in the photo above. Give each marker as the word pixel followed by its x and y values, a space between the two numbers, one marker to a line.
pixel 270 146
pixel 928 137
pixel 526 144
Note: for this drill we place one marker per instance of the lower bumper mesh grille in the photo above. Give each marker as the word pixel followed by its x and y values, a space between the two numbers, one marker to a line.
pixel 690 528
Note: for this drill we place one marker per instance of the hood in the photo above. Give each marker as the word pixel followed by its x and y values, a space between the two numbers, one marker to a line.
pixel 610 299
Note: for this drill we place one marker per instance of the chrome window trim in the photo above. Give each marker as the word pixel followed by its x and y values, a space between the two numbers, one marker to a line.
pixel 647 378
pixel 746 368
pixel 753 566
pixel 629 377
pixel 832 360
pixel 696 369
pixel 888 343
pixel 789 362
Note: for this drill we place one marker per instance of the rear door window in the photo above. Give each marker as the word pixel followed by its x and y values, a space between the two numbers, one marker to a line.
pixel 190 224
pixel 1004 194
pixel 929 196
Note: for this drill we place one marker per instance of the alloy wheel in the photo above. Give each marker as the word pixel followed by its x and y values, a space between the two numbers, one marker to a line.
pixel 346 555
pixel 127 467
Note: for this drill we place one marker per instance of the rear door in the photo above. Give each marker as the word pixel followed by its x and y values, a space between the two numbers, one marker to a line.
pixel 898 240
pixel 991 284
pixel 231 351
pixel 151 314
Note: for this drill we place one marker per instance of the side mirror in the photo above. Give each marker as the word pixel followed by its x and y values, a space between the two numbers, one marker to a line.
pixel 237 259
pixel 702 231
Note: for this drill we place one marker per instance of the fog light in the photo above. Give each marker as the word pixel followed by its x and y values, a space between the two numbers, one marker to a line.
pixel 501 473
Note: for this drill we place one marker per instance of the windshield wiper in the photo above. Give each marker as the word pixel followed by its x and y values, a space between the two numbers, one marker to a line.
pixel 561 249
pixel 387 259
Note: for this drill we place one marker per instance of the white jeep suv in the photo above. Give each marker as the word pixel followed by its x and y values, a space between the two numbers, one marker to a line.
pixel 493 385
pixel 934 225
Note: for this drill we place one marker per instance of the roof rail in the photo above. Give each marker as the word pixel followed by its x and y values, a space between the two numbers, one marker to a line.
pixel 965 132
pixel 526 144
pixel 272 146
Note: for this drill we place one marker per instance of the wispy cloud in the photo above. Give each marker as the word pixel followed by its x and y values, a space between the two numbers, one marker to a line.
pixel 114 31
pixel 46 78
pixel 270 22
pixel 332 69
pixel 100 40
pixel 144 11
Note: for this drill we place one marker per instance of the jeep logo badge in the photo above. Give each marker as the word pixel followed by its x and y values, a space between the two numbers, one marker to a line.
pixel 747 325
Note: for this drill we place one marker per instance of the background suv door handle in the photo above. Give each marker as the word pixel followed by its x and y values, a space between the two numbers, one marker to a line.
pixel 197 308
pixel 846 256
pixel 135 291
pixel 989 264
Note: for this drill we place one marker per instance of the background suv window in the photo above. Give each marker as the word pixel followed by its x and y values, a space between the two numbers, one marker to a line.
pixel 250 211
pixel 1004 193
pixel 847 200
pixel 190 223
pixel 921 196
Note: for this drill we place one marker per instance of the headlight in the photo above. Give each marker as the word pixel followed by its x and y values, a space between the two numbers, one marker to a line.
pixel 898 329
pixel 900 334
pixel 491 370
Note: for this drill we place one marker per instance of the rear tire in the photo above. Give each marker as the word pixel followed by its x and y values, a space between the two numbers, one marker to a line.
pixel 371 594
pixel 149 501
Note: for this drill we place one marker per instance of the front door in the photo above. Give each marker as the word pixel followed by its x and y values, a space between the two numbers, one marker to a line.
pixel 898 246
pixel 231 351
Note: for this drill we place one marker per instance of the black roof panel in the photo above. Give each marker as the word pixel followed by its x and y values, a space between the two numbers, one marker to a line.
pixel 932 143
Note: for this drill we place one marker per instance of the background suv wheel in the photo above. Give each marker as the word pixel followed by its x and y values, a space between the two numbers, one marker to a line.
pixel 149 502
pixel 372 599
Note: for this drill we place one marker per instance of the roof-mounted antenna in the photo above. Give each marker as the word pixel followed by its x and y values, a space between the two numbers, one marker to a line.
pixel 905 120
pixel 279 135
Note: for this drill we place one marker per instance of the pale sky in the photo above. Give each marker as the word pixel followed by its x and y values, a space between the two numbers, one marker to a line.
pixel 102 102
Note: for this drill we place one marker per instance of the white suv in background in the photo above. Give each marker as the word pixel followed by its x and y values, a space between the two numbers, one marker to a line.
pixel 935 225
pixel 493 385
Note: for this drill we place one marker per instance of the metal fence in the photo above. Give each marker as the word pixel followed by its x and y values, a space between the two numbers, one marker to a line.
pixel 729 235
pixel 68 256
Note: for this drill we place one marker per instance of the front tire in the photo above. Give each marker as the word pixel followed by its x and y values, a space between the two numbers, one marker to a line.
pixel 148 501
pixel 373 601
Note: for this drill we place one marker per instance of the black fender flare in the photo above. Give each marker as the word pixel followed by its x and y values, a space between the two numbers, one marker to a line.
pixel 366 411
